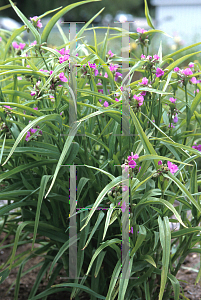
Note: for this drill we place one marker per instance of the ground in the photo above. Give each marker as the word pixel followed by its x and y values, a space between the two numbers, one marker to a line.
pixel 187 273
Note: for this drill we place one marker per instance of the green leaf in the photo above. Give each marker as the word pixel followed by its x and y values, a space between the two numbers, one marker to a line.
pixel 4 274
pixel 27 23
pixel 165 238
pixel 57 16
pixel 147 15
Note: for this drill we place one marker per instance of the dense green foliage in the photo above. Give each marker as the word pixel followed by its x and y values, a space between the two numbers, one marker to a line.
pixel 151 167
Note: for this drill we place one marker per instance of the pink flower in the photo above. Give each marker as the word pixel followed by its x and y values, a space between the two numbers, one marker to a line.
pixel 149 57
pixel 123 207
pixel 0 38
pixel 36 108
pixel 176 69
pixel 62 77
pixel 156 57
pixel 140 99
pixel 33 93
pixel 106 75
pixel 22 45
pixel 133 156
pixel 172 126
pixel 27 66
pixel 19 78
pixel 15 45
pixel 33 130
pixel 119 203
pixel 159 72
pixel 141 30
pixel 160 162
pixel 193 80
pixel 197 91
pixel 113 67
pixel 143 93
pixel 124 188
pixel 173 168
pixel 121 88
pixel 144 81
pixel 93 66
pixel 33 44
pixel 7 106
pixel 51 72
pixel 39 24
pixel 106 104
pixel 110 53
pixel 139 169
pixel 172 100
pixel 143 56
pixel 131 230
pixel 132 164
pixel 187 72
pixel 191 65
pixel 96 72
pixel 100 91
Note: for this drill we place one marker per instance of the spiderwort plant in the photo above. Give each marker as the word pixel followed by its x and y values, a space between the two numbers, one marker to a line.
pixel 39 143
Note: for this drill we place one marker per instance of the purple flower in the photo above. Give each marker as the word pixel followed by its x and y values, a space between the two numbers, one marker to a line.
pixel 172 100
pixel 123 207
pixel 117 75
pixel 156 57
pixel 193 80
pixel 143 56
pixel 133 156
pixel 140 99
pixel 22 45
pixel 96 72
pixel 62 77
pixel 124 188
pixel 15 45
pixel 191 65
pixel 139 169
pixel 7 106
pixel 27 136
pixel 144 81
pixel 172 167
pixel 34 43
pixel 159 72
pixel 106 104
pixel 175 120
pixel 131 230
pixel 36 108
pixel 176 69
pixel 132 164
pixel 149 57
pixel 106 75
pixel 197 147
pixel 160 162
pixel 33 93
pixel 187 72
pixel 110 53
pixel 141 30
pixel 0 38
pixel 113 67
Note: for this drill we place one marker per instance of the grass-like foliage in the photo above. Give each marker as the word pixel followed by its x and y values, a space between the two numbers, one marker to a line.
pixel 135 145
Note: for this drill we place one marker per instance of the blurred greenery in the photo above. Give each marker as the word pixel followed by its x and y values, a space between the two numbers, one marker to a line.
pixel 81 13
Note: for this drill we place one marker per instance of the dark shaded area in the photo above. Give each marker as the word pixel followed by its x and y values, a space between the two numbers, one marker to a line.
pixel 78 14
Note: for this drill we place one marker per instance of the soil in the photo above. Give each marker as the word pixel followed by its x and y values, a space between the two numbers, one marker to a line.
pixel 187 274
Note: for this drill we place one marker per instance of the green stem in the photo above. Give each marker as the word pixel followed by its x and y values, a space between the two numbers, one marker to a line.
pixel 187 113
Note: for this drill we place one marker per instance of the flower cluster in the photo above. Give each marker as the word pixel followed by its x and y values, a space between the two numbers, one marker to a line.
pixel 183 75
pixel 170 167
pixel 36 22
pixel 32 132
pixel 65 55
pixel 130 164
pixel 150 64
pixel 20 46
pixel 142 39
pixel 197 147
